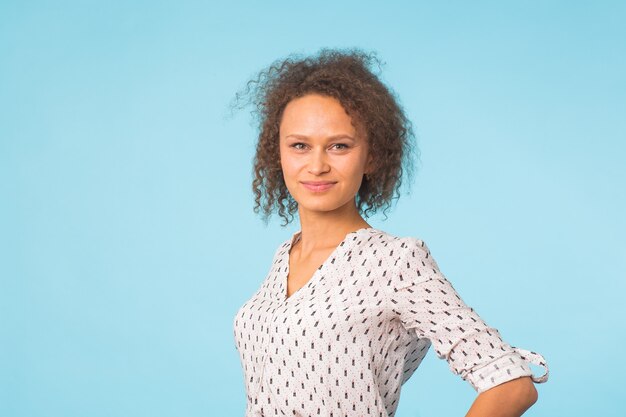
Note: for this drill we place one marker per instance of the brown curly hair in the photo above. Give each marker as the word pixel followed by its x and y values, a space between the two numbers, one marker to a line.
pixel 347 76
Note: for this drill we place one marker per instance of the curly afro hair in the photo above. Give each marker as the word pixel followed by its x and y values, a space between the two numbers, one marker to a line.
pixel 347 76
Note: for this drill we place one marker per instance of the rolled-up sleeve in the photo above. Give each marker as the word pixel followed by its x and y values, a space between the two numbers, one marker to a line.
pixel 426 302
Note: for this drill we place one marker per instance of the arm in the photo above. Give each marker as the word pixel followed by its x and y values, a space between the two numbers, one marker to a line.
pixel 426 301
pixel 509 399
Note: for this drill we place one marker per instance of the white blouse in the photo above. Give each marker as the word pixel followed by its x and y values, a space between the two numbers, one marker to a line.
pixel 344 343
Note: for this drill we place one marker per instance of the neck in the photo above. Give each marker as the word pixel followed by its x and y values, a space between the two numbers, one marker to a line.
pixel 324 229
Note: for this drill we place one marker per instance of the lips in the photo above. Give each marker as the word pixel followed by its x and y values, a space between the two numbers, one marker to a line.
pixel 318 186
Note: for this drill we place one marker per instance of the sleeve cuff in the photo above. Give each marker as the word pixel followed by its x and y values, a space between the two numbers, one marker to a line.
pixel 506 368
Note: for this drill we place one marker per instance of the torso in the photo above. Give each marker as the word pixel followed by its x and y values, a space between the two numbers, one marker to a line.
pixel 354 331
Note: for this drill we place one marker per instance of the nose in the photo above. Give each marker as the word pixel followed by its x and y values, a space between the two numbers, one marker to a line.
pixel 318 163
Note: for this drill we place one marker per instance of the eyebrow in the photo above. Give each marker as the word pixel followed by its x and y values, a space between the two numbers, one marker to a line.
pixel 340 136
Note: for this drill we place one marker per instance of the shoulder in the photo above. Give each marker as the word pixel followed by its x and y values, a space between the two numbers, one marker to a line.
pixel 402 248
pixel 412 260
pixel 405 246
pixel 281 250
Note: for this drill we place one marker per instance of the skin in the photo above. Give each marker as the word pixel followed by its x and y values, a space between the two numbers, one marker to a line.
pixel 320 142
pixel 510 399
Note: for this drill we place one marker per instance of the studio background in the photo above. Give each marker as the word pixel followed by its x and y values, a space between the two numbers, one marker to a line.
pixel 127 237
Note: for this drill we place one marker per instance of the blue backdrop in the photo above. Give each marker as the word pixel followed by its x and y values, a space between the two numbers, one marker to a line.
pixel 127 237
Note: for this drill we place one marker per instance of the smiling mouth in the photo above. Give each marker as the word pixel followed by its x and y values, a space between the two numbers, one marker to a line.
pixel 318 187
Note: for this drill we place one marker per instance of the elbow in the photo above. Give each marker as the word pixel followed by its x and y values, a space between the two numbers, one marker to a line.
pixel 528 394
pixel 520 393
pixel 533 395
pixel 528 390
pixel 511 398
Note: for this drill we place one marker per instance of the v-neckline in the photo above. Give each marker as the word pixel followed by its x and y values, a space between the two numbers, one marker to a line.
pixel 342 246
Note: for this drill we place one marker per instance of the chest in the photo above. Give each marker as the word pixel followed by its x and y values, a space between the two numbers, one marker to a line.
pixel 339 314
pixel 301 271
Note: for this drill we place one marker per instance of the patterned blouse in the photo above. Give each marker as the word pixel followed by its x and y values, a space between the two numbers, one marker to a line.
pixel 345 342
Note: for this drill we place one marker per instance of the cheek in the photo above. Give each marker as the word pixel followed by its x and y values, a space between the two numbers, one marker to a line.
pixel 290 169
pixel 352 168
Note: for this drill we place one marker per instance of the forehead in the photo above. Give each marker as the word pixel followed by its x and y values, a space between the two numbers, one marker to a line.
pixel 315 114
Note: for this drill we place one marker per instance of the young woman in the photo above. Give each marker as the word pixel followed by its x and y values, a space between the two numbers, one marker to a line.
pixel 347 312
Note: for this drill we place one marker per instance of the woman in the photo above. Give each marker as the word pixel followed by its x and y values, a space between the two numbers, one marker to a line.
pixel 347 312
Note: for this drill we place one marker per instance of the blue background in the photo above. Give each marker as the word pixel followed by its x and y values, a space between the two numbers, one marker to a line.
pixel 127 237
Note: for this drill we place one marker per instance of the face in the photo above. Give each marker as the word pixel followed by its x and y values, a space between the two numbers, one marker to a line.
pixel 323 156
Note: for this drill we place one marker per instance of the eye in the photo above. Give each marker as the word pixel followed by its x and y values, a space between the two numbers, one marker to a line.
pixel 295 145
pixel 341 144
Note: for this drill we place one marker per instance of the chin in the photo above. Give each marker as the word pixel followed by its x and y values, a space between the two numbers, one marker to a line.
pixel 319 207
pixel 323 204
